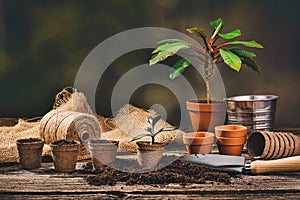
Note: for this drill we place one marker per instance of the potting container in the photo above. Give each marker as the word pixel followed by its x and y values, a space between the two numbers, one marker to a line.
pixel 231 131
pixel 30 152
pixel 64 155
pixel 205 116
pixel 273 145
pixel 231 146
pixel 198 142
pixel 256 112
pixel 149 155
pixel 103 152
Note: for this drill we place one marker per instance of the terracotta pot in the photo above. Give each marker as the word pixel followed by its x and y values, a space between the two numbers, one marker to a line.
pixel 103 152
pixel 204 116
pixel 149 155
pixel 231 131
pixel 198 142
pixel 231 146
pixel 64 155
pixel 30 152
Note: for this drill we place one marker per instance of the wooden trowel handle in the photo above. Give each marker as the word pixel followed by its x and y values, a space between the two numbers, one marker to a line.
pixel 279 165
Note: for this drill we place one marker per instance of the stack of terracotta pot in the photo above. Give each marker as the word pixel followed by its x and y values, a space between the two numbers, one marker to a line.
pixel 231 139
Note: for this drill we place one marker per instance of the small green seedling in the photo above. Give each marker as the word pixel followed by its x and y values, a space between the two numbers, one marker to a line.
pixel 152 121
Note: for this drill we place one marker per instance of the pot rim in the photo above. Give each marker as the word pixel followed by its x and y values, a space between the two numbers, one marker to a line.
pixel 191 139
pixel 230 128
pixel 252 98
pixel 30 141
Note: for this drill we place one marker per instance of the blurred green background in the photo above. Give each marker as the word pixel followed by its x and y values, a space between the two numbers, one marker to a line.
pixel 43 43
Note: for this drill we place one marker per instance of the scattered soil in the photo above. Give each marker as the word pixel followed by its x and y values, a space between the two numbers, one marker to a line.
pixel 178 172
pixel 63 142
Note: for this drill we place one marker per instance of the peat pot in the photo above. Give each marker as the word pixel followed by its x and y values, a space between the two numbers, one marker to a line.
pixel 64 155
pixel 30 152
pixel 149 154
pixel 256 112
pixel 205 116
pixel 198 142
pixel 103 152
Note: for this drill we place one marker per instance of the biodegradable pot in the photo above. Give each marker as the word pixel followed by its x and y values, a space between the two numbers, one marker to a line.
pixel 231 131
pixel 231 146
pixel 149 154
pixel 103 152
pixel 205 116
pixel 273 145
pixel 198 142
pixel 30 152
pixel 64 155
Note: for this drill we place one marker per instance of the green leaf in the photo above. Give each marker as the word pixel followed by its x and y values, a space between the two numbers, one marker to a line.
pixel 243 53
pixel 218 24
pixel 149 119
pixel 169 41
pixel 149 129
pixel 250 62
pixel 179 67
pixel 156 119
pixel 231 59
pixel 171 128
pixel 198 31
pixel 251 43
pixel 230 35
pixel 139 137
pixel 166 50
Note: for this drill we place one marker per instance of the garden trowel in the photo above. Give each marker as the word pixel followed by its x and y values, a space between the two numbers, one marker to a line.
pixel 237 163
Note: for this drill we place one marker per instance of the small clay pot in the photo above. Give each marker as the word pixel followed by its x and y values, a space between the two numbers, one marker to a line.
pixel 30 152
pixel 231 146
pixel 64 155
pixel 149 154
pixel 103 152
pixel 205 116
pixel 198 142
pixel 231 131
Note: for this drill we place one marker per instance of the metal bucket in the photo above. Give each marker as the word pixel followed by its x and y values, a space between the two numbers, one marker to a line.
pixel 256 112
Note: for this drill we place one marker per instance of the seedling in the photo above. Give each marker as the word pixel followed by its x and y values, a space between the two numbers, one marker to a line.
pixel 151 133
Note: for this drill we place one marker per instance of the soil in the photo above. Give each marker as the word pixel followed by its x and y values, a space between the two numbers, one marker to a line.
pixel 29 140
pixel 63 142
pixel 104 142
pixel 178 172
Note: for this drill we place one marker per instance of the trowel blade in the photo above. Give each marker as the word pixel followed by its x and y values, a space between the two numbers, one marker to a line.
pixel 219 162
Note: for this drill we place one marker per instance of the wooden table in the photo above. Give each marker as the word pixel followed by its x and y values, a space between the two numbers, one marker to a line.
pixel 16 183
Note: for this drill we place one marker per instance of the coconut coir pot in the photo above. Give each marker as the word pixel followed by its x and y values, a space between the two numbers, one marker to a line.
pixel 149 154
pixel 103 152
pixel 273 145
pixel 64 155
pixel 30 152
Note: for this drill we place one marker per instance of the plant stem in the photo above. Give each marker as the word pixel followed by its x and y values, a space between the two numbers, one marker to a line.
pixel 153 137
pixel 208 98
pixel 208 71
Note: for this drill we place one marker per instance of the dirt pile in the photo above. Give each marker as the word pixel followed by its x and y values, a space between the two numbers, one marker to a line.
pixel 178 172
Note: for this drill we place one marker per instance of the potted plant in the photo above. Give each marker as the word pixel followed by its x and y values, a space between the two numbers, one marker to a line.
pixel 227 52
pixel 150 153
pixel 103 152
pixel 64 155
pixel 30 152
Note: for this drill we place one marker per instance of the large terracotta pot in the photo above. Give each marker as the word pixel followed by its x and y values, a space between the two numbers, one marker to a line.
pixel 204 116
pixel 198 142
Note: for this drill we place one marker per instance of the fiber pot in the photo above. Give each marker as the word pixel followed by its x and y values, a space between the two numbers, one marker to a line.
pixel 205 116
pixel 198 142
pixel 149 154
pixel 64 155
pixel 103 152
pixel 30 152
pixel 231 146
